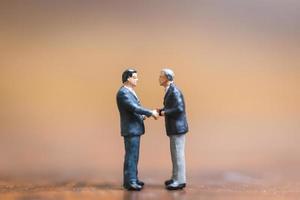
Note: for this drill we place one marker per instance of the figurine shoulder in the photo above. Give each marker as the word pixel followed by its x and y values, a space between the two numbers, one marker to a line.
pixel 122 92
pixel 176 90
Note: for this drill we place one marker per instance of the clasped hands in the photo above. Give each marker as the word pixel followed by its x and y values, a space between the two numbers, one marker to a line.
pixel 157 113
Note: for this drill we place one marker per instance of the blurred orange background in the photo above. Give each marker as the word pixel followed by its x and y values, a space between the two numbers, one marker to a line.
pixel 237 63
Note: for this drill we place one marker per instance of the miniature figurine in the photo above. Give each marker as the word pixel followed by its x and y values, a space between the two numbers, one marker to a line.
pixel 132 127
pixel 176 128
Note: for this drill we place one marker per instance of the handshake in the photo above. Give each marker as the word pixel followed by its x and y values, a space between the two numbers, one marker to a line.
pixel 157 113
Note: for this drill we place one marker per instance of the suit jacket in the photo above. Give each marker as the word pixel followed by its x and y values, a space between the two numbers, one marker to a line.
pixel 132 122
pixel 175 116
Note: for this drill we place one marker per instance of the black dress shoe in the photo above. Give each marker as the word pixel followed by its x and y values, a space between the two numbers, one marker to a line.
pixel 133 186
pixel 141 183
pixel 168 182
pixel 176 186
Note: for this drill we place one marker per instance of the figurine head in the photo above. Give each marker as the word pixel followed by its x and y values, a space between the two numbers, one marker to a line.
pixel 166 76
pixel 129 77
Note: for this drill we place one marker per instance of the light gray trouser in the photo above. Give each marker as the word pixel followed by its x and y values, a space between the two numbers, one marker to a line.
pixel 177 143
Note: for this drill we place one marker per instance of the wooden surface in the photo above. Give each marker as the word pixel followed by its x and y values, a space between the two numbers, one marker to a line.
pixel 114 191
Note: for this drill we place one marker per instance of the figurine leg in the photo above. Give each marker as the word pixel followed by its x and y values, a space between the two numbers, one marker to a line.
pixel 178 157
pixel 132 145
pixel 173 157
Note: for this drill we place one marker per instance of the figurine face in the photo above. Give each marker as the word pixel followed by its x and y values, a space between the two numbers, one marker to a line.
pixel 163 80
pixel 133 80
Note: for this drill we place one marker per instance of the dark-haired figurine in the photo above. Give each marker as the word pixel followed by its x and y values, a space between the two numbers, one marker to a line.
pixel 132 115
pixel 176 128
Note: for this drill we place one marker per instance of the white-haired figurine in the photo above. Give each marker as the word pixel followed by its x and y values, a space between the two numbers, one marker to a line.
pixel 176 128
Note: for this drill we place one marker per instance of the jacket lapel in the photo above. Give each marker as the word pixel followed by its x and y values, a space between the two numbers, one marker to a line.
pixel 137 100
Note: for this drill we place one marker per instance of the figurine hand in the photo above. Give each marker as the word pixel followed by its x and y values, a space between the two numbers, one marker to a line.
pixel 160 112
pixel 155 114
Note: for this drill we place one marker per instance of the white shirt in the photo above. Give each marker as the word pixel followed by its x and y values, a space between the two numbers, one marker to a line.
pixel 166 90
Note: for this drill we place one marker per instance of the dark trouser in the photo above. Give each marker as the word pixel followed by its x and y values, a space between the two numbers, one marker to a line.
pixel 132 148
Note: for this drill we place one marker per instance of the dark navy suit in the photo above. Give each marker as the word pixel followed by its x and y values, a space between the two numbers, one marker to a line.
pixel 175 116
pixel 132 127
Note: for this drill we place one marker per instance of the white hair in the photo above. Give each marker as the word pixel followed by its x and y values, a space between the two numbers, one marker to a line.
pixel 169 74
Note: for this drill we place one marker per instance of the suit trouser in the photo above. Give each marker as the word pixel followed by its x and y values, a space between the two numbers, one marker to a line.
pixel 132 148
pixel 177 146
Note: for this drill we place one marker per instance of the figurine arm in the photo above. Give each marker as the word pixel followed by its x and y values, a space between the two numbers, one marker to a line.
pixel 133 107
pixel 178 105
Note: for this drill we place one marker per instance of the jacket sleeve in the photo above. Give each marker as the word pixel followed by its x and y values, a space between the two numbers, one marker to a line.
pixel 178 105
pixel 131 106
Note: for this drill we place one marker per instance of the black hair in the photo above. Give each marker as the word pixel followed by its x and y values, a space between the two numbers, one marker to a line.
pixel 127 74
